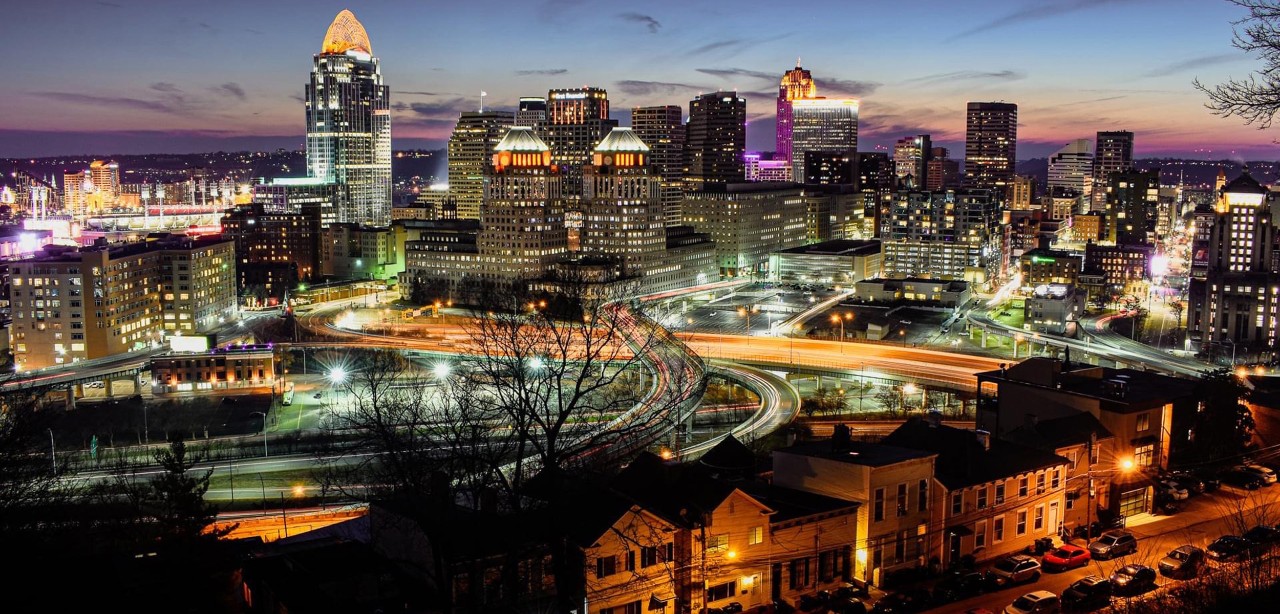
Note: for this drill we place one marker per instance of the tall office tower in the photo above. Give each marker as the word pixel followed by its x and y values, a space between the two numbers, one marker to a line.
pixel 349 123
pixel 1113 154
pixel 1019 192
pixel 1072 168
pixel 1131 198
pixel 943 172
pixel 522 221
pixel 622 202
pixel 830 168
pixel 715 141
pixel 955 234
pixel 991 144
pixel 662 129
pixel 827 125
pixel 106 180
pixel 911 157
pixel 76 188
pixel 1236 303
pixel 531 112
pixel 470 150
pixel 577 119
pixel 797 84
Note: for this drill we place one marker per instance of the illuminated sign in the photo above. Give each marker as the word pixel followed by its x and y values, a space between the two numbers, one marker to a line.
pixel 569 96
pixel 1042 260
pixel 189 344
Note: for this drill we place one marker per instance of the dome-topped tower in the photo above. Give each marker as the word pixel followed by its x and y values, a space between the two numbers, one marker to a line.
pixel 346 33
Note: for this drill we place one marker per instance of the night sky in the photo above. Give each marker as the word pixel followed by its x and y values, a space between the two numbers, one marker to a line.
pixel 127 76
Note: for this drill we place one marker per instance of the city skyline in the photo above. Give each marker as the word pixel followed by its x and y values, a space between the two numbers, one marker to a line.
pixel 163 80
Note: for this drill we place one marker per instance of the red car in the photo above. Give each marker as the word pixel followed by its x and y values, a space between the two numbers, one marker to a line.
pixel 1065 557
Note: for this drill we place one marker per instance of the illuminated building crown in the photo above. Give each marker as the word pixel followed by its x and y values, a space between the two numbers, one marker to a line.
pixel 346 34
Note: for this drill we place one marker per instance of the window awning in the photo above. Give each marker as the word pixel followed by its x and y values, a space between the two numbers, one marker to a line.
pixel 656 604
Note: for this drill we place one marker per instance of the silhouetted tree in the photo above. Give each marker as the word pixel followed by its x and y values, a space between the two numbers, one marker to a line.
pixel 1255 98
pixel 1224 425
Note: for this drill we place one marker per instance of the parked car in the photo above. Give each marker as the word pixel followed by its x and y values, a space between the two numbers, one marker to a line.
pixel 1171 489
pixel 848 589
pixel 1268 476
pixel 1240 478
pixel 960 585
pixel 1192 484
pixel 809 603
pixel 1262 536
pixel 1182 562
pixel 1038 602
pixel 1016 569
pixel 905 601
pixel 1087 593
pixel 1064 557
pixel 733 607
pixel 847 605
pixel 1227 547
pixel 1113 544
pixel 1133 579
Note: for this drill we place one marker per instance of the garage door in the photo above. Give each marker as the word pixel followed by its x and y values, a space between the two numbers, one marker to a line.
pixel 1134 502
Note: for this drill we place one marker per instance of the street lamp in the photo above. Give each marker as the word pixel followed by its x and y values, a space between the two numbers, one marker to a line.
pixel 338 375
pixel 902 332
pixel 264 431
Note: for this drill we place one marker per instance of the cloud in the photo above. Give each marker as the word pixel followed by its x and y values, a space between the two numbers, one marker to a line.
pixel 1037 12
pixel 646 88
pixel 847 87
pixel 739 72
pixel 1188 64
pixel 968 75
pixel 422 93
pixel 645 20
pixel 542 71
pixel 167 88
pixel 111 101
pixel 230 88
pixel 447 109
pixel 718 45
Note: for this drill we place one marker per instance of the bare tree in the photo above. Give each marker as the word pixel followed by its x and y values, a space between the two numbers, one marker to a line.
pixel 1256 98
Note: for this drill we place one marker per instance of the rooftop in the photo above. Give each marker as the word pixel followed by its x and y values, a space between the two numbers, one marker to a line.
pixel 622 139
pixel 1055 433
pixel 857 452
pixel 1121 390
pixel 837 247
pixel 346 33
pixel 521 138
pixel 1244 184
pixel 963 459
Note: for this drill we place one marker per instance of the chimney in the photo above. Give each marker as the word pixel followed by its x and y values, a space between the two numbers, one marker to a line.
pixel 984 438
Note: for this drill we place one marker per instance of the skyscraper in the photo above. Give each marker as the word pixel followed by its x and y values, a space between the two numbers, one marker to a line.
pixel 106 180
pixel 623 205
pixel 470 151
pixel 531 112
pixel 349 123
pixel 1072 168
pixel 662 129
pixel 716 140
pixel 821 125
pixel 797 84
pixel 943 172
pixel 522 220
pixel 991 144
pixel 911 157
pixel 1131 198
pixel 577 119
pixel 1113 154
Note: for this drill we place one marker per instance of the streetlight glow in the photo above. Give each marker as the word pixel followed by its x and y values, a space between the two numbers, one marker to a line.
pixel 338 375
pixel 441 370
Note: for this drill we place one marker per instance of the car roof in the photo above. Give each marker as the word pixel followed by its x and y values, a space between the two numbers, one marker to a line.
pixel 1116 533
pixel 1188 548
pixel 1040 595
pixel 1019 558
pixel 1072 547
pixel 1090 580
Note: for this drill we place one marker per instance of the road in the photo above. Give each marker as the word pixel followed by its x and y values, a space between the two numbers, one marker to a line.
pixel 1203 519
pixel 1098 329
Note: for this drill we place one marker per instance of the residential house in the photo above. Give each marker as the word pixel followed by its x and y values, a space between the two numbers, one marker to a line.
pixel 1088 447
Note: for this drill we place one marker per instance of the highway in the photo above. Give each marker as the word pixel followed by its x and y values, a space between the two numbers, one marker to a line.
pixel 1098 328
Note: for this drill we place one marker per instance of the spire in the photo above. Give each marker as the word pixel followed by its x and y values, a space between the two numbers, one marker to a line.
pixel 346 33
pixel 797 61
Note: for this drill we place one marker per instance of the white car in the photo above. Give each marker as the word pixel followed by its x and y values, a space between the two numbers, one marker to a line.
pixel 1175 492
pixel 1268 476
pixel 1038 602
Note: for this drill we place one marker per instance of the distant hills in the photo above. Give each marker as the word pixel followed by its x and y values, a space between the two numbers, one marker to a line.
pixel 1191 173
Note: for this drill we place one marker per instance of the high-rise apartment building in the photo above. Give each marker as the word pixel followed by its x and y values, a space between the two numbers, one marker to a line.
pixel 105 177
pixel 716 140
pixel 1072 168
pixel 911 157
pixel 470 150
pixel 943 172
pixel 1234 309
pixel 954 234
pixel 1113 153
pixel 1019 192
pixel 662 129
pixel 349 124
pixel 98 301
pixel 797 84
pixel 577 119
pixel 991 144
pixel 622 203
pixel 277 236
pixel 1131 198
pixel 522 230
pixel 826 125
pixel 531 112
